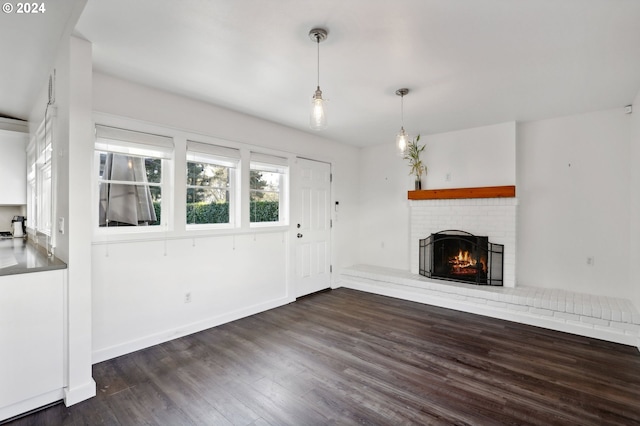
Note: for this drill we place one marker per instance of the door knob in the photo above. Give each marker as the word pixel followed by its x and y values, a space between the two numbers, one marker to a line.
pixel 299 235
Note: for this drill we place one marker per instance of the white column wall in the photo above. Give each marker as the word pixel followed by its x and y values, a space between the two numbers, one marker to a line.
pixel 72 128
pixel 77 222
pixel 634 196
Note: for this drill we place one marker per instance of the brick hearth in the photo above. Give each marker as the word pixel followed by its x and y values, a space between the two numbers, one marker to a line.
pixel 608 318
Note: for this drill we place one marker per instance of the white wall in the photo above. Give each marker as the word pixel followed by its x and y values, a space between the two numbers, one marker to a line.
pixel 383 237
pixel 634 196
pixel 482 156
pixel 139 287
pixel 573 190
pixel 7 213
pixel 13 169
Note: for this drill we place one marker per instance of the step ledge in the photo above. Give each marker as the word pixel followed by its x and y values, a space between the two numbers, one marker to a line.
pixel 570 306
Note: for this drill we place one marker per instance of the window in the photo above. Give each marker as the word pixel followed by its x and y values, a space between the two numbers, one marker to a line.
pixel 268 189
pixel 44 199
pixel 32 198
pixel 39 178
pixel 131 176
pixel 211 184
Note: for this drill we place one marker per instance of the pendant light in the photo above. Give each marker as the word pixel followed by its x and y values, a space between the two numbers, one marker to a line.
pixel 402 138
pixel 318 119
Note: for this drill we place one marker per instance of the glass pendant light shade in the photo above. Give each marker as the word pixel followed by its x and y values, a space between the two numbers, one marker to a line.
pixel 318 119
pixel 402 138
pixel 401 142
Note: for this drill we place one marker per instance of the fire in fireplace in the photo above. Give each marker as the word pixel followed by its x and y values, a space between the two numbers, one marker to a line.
pixel 461 256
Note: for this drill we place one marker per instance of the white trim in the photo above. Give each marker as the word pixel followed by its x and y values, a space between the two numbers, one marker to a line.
pixel 176 224
pixel 27 405
pixel 13 125
pixel 218 232
pixel 79 393
pixel 278 165
pixel 165 185
pixel 210 154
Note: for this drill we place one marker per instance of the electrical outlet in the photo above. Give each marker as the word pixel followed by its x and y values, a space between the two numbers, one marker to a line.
pixel 187 297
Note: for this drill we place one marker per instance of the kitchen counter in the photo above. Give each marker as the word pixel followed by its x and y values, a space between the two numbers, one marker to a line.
pixel 17 256
pixel 32 315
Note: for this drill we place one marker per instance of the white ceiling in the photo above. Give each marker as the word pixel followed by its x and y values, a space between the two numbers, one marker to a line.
pixel 29 43
pixel 467 62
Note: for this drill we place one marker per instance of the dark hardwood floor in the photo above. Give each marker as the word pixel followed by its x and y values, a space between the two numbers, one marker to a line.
pixel 346 357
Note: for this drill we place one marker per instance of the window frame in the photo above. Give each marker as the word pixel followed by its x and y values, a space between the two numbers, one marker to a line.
pixel 271 164
pixel 198 152
pixel 140 144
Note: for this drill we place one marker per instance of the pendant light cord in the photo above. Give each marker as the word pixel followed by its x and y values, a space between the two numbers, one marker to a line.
pixel 402 110
pixel 318 43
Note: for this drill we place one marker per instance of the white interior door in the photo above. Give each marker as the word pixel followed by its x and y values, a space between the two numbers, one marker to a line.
pixel 312 226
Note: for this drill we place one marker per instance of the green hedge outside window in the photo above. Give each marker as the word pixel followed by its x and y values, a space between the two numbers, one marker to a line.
pixel 202 213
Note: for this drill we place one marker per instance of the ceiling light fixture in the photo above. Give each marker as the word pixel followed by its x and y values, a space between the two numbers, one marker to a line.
pixel 402 138
pixel 318 120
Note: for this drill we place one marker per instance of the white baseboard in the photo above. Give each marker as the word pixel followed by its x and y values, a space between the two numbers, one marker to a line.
pixel 184 330
pixel 30 404
pixel 337 283
pixel 79 393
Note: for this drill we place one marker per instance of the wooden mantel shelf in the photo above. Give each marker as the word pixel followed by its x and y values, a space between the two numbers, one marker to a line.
pixel 457 193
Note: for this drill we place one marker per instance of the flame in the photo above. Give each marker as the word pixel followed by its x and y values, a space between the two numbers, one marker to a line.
pixel 465 260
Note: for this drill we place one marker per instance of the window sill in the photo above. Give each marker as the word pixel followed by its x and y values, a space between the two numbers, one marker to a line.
pixel 259 225
pixel 104 239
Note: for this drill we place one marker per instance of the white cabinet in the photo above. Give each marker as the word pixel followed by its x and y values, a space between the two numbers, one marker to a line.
pixel 13 167
pixel 31 341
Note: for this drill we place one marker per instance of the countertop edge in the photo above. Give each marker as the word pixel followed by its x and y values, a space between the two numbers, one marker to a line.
pixel 27 254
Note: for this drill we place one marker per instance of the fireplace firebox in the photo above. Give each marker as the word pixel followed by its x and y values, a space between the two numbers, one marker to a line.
pixel 460 256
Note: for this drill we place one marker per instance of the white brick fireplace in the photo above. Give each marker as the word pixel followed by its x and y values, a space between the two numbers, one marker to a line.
pixel 491 217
